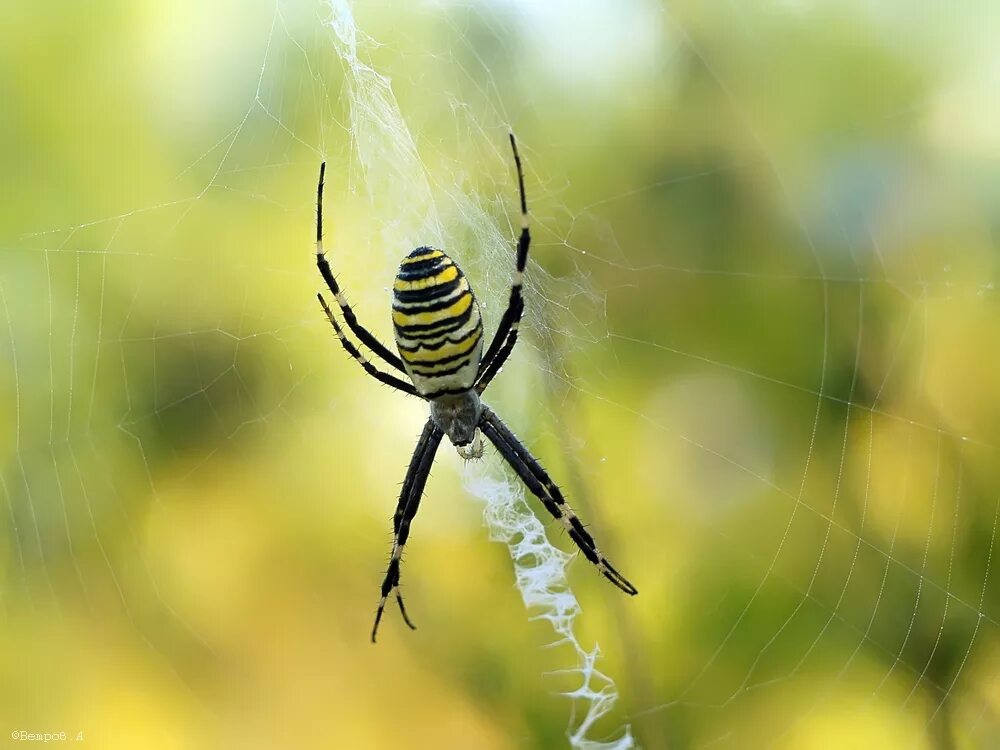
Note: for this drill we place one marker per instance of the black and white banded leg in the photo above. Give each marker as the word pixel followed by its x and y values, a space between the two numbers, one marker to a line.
pixel 542 486
pixel 366 338
pixel 409 501
pixel 506 335
pixel 395 382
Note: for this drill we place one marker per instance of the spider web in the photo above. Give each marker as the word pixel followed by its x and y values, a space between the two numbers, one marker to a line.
pixel 793 457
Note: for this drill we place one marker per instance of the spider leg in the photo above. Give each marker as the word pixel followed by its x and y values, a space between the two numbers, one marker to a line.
pixel 542 486
pixel 409 501
pixel 359 330
pixel 499 349
pixel 488 373
pixel 395 382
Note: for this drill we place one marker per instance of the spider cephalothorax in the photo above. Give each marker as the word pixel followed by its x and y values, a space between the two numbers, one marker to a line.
pixel 439 335
pixel 458 416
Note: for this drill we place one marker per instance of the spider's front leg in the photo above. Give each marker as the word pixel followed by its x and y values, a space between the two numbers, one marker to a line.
pixel 409 501
pixel 541 485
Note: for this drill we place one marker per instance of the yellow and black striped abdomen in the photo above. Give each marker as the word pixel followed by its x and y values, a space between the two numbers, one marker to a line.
pixel 439 331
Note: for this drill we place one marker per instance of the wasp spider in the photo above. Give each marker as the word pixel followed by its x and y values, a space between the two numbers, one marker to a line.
pixel 439 335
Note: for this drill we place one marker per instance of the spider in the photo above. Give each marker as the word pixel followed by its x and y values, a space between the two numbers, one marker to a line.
pixel 439 335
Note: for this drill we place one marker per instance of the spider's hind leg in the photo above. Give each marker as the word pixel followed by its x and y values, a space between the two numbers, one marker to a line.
pixel 364 335
pixel 506 335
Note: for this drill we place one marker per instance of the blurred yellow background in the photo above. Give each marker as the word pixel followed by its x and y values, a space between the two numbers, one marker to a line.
pixel 760 356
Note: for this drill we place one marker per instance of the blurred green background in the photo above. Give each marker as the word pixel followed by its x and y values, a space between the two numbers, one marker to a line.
pixel 760 357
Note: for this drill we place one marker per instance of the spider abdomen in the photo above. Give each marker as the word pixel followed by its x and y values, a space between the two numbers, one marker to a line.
pixel 438 328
